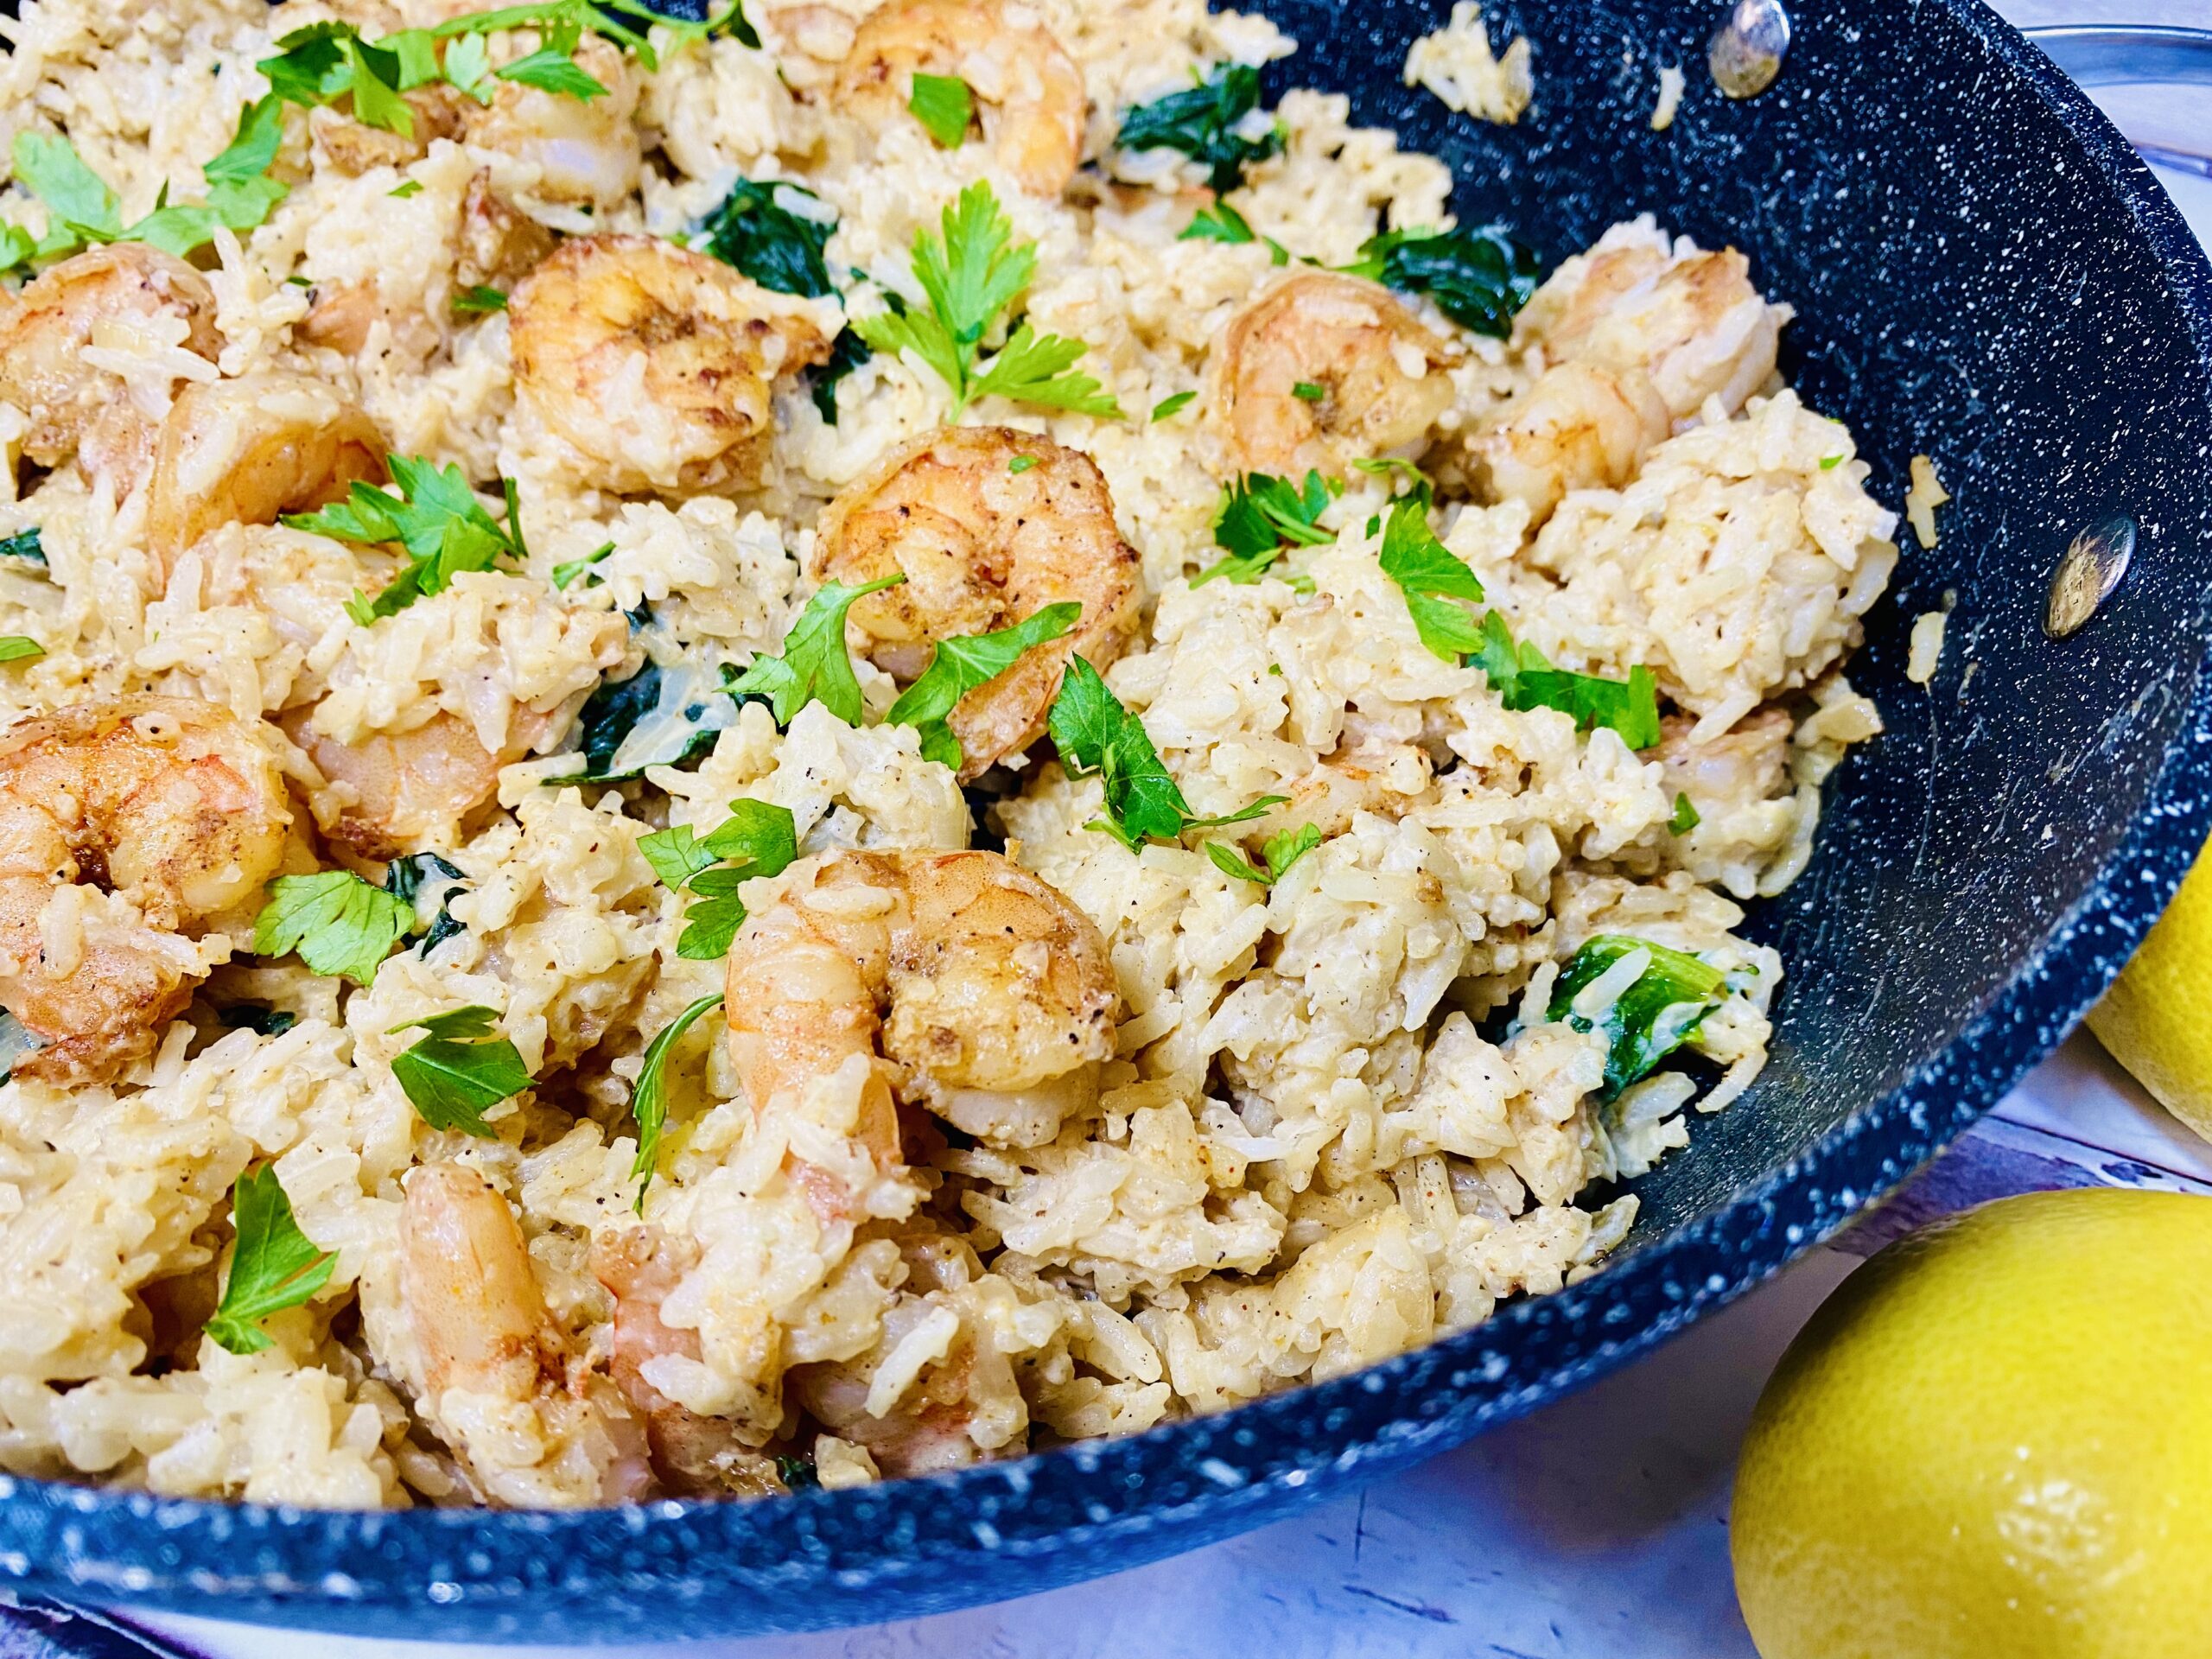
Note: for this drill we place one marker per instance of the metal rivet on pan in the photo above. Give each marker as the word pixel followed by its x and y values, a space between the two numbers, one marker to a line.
pixel 2094 563
pixel 1745 53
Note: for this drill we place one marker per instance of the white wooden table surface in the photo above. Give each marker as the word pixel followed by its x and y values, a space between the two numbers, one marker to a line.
pixel 1594 1529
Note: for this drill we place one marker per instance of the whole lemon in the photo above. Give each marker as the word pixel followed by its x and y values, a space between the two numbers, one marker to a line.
pixel 2157 1019
pixel 1994 1441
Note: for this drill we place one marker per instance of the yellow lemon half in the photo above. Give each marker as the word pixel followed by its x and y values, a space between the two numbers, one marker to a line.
pixel 2157 1019
pixel 1994 1441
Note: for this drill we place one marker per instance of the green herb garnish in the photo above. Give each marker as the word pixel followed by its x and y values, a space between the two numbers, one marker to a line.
pixel 1174 403
pixel 1095 732
pixel 1306 391
pixel 258 1018
pixel 814 667
pixel 1433 578
pixel 1479 278
pixel 758 839
pixel 566 573
pixel 944 106
pixel 1208 123
pixel 25 544
pixel 847 353
pixel 1521 676
pixel 1654 1016
pixel 1685 818
pixel 1281 851
pixel 458 1071
pixel 1021 464
pixel 436 517
pixel 273 1264
pixel 969 276
pixel 478 301
pixel 649 1101
pixel 402 192
pixel 1257 517
pixel 19 648
pixel 775 234
pixel 1220 223
pixel 958 665
pixel 337 922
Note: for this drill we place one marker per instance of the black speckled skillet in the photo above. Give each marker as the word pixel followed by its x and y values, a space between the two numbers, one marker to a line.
pixel 1982 272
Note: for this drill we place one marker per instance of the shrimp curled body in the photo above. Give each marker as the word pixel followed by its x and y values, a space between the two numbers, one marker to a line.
pixel 532 1427
pixel 970 987
pixel 174 807
pixel 1031 91
pixel 1379 372
pixel 656 365
pixel 124 294
pixel 983 546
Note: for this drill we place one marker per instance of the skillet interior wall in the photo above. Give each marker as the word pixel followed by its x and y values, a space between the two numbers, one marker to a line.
pixel 1949 846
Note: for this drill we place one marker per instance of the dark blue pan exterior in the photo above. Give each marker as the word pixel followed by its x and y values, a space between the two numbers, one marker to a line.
pixel 1982 272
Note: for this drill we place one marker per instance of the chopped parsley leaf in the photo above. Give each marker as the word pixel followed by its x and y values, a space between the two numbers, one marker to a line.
pixel 337 923
pixel 1306 391
pixel 479 300
pixel 274 1266
pixel 1257 517
pixel 1685 817
pixel 960 665
pixel 1173 404
pixel 759 838
pixel 19 648
pixel 1281 851
pixel 1521 676
pixel 1022 463
pixel 458 1071
pixel 1433 578
pixel 969 276
pixel 649 1100
pixel 566 573
pixel 1095 732
pixel 1220 223
pixel 944 106
pixel 411 188
pixel 814 667
pixel 446 531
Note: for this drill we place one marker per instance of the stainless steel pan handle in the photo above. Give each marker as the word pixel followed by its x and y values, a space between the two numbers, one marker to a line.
pixel 2115 55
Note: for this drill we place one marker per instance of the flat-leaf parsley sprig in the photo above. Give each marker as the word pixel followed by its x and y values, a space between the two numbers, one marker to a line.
pixel 1282 849
pixel 815 666
pixel 1094 732
pixel 759 838
pixel 274 1265
pixel 337 922
pixel 436 517
pixel 968 276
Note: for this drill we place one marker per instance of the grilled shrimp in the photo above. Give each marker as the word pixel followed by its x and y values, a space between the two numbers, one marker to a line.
pixel 531 1425
pixel 1379 372
pixel 575 151
pixel 124 294
pixel 177 809
pixel 656 363
pixel 1031 91
pixel 436 110
pixel 694 1455
pixel 412 790
pixel 244 451
pixel 1695 325
pixel 982 547
pixel 965 984
pixel 1577 427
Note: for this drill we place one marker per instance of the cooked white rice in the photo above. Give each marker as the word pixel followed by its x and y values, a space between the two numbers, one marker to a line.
pixel 1339 1122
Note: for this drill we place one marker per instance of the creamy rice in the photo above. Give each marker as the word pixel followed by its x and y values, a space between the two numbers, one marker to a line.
pixel 1340 1119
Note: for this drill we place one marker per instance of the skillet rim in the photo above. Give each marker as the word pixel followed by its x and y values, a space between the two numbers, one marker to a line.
pixel 1255 1461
